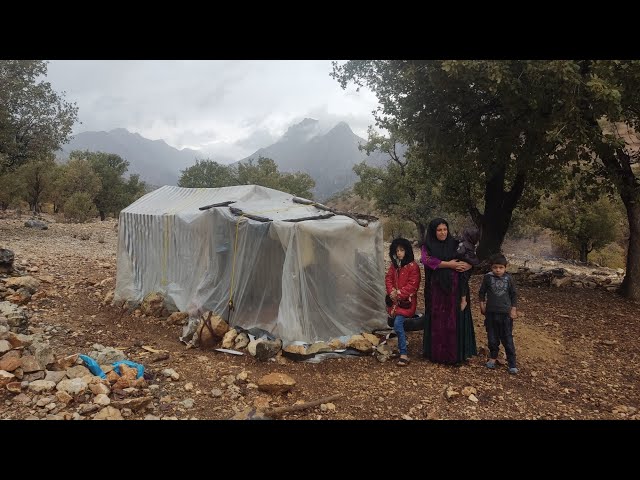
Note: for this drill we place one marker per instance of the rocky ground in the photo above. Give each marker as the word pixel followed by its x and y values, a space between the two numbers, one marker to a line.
pixel 578 355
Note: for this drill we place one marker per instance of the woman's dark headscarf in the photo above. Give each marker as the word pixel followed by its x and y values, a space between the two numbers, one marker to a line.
pixel 408 251
pixel 444 250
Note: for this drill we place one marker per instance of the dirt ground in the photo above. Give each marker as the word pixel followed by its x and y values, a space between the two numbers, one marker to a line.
pixel 578 350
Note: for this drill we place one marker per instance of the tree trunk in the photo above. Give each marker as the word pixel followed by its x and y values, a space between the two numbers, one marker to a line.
pixel 630 287
pixel 618 165
pixel 498 209
pixel 494 228
pixel 422 229
pixel 583 252
pixel 102 215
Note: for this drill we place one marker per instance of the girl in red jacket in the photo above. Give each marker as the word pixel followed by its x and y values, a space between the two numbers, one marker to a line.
pixel 402 282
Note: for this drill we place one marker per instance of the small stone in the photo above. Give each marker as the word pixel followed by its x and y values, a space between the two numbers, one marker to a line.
pixel 216 393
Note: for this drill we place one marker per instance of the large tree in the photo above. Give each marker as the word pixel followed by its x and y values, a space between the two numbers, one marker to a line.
pixel 483 128
pixel 207 174
pixel 586 224
pixel 607 119
pixel 265 172
pixel 402 189
pixel 34 119
pixel 78 177
pixel 117 192
pixel 36 181
pixel 502 127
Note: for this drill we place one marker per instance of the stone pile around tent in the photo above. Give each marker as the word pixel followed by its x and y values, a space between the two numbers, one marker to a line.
pixel 214 332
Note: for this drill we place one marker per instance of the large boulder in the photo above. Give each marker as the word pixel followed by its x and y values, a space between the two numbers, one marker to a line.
pixel 212 328
pixel 6 260
pixel 17 318
pixel 265 349
pixel 276 383
pixel 153 305
pixel 27 282
pixel 38 224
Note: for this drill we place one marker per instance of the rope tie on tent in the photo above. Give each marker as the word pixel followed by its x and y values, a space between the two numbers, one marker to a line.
pixel 233 272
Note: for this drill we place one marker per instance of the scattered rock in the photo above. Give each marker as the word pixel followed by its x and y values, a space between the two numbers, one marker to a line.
pixel 228 341
pixel 216 393
pixel 177 318
pixel 466 391
pixel 9 363
pixel 101 399
pixel 266 349
pixel 73 386
pixel 358 342
pixel 108 413
pixel 133 404
pixel 276 383
pixel 211 329
pixel 171 373
pixel 450 393
pixel 372 339
pixel 41 386
pixel 241 341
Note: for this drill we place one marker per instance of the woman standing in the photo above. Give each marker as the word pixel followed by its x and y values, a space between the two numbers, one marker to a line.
pixel 448 335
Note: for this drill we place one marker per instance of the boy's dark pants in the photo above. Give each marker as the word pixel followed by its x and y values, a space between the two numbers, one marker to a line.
pixel 500 330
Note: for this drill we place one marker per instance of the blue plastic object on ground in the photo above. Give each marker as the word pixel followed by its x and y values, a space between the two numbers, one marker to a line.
pixel 93 366
pixel 129 363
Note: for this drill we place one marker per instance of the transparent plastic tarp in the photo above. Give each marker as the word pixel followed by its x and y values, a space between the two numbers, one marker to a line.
pixel 308 280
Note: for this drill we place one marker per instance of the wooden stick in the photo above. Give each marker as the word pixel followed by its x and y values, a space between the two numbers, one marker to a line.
pixel 357 217
pixel 317 217
pixel 237 211
pixel 301 406
pixel 221 204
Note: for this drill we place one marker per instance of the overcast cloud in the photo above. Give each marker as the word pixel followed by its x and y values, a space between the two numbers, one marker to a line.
pixel 225 108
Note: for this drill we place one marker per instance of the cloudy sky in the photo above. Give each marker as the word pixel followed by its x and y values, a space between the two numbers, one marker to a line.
pixel 226 108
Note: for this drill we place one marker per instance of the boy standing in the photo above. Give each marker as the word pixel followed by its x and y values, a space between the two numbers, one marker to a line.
pixel 498 298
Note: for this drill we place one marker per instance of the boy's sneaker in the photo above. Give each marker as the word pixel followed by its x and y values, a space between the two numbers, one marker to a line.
pixel 491 364
pixel 513 370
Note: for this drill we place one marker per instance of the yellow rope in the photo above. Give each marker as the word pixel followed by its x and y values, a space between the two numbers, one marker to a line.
pixel 233 268
pixel 165 249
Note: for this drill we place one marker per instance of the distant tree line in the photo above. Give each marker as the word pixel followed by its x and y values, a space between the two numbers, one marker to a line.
pixel 264 172
pixel 88 185
pixel 35 121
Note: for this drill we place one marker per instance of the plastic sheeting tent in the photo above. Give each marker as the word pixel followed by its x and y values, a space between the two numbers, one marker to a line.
pixel 299 280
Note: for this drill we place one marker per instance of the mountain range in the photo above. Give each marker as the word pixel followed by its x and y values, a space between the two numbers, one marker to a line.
pixel 328 156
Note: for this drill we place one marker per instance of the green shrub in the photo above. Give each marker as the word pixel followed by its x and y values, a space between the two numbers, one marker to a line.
pixel 80 207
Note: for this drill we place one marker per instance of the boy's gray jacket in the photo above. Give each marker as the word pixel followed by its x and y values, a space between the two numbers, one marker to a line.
pixel 500 292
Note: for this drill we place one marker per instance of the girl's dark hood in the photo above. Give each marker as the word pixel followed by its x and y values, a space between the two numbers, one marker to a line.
pixel 408 251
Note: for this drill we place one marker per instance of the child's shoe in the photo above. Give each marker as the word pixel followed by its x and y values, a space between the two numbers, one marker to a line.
pixel 491 364
pixel 513 370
